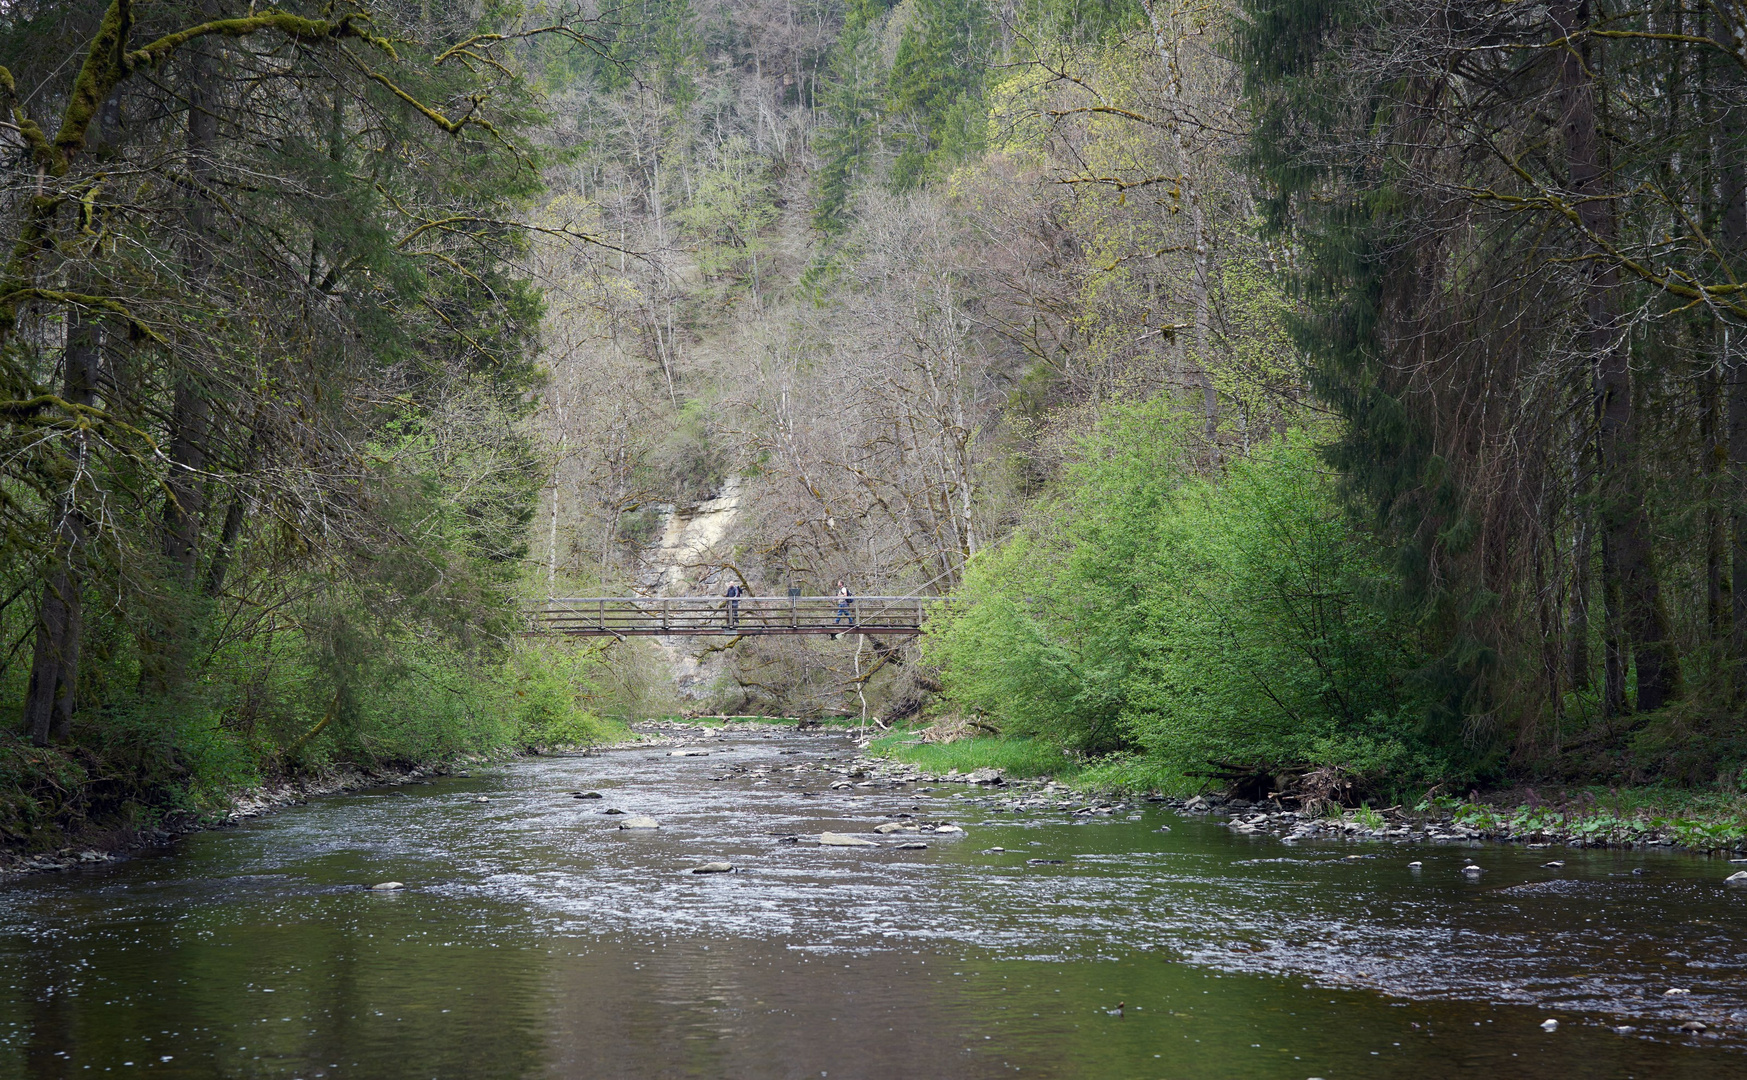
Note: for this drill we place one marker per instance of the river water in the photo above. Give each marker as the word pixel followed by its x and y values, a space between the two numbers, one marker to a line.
pixel 535 938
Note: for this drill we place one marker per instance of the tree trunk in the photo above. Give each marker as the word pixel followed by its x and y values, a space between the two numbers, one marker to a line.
pixel 49 698
pixel 1735 401
pixel 1624 521
pixel 164 650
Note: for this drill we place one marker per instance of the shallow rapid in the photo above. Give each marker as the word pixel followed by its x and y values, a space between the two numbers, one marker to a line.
pixel 536 938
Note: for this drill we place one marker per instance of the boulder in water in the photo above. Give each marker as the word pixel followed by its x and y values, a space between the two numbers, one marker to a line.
pixel 639 821
pixel 1739 877
pixel 688 753
pixel 834 839
pixel 912 845
pixel 890 827
pixel 387 886
pixel 714 868
pixel 1549 1025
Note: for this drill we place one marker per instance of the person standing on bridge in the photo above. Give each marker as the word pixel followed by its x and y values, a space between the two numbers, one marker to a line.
pixel 733 593
pixel 843 602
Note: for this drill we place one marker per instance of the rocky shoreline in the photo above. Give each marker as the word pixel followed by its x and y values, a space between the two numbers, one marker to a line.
pixel 1463 823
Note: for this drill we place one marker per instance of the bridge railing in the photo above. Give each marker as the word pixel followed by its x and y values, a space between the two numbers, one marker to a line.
pixel 661 616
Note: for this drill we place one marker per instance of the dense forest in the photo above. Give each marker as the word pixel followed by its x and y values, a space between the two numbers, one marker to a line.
pixel 1278 384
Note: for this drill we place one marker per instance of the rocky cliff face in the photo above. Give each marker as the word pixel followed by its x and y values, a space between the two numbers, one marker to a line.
pixel 685 560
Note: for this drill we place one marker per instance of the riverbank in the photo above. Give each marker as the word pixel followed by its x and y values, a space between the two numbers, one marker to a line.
pixel 95 841
pixel 1707 822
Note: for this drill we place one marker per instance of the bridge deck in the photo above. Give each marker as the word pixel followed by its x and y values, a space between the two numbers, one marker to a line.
pixel 676 616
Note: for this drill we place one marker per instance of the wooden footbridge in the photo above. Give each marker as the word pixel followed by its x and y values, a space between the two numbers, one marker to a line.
pixel 691 616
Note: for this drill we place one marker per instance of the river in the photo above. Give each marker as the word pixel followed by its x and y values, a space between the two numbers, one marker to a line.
pixel 537 939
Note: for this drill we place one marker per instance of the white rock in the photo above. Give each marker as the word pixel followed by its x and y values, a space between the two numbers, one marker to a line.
pixel 714 868
pixel 1472 869
pixel 837 839
pixel 1675 991
pixel 1739 877
pixel 386 886
pixel 1415 865
pixel 1549 1025
pixel 689 753
pixel 888 828
pixel 913 845
pixel 483 798
pixel 639 821
pixel 1556 864
pixel 946 829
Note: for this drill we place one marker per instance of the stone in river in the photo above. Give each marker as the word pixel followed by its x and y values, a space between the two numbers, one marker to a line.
pixel 913 845
pixel 612 810
pixel 586 795
pixel 837 839
pixel 1675 991
pixel 986 776
pixel 1694 1027
pixel 1624 1029
pixel 1556 864
pixel 483 798
pixel 713 868
pixel 889 827
pixel 1415 865
pixel 1044 862
pixel 386 886
pixel 688 753
pixel 1472 869
pixel 947 829
pixel 1549 1025
pixel 1739 877
pixel 639 821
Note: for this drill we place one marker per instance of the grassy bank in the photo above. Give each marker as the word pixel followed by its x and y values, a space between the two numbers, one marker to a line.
pixel 1702 820
pixel 130 771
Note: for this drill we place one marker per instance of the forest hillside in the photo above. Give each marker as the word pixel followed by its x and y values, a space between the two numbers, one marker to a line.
pixel 1280 387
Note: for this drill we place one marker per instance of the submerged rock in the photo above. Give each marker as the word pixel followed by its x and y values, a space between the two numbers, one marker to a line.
pixel 586 795
pixel 834 839
pixel 1556 864
pixel 387 886
pixel 714 868
pixel 912 845
pixel 639 821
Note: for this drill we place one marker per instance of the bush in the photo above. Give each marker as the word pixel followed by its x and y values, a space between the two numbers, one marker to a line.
pixel 1181 620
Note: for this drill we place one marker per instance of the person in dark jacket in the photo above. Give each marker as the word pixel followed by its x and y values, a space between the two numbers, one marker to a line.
pixel 733 594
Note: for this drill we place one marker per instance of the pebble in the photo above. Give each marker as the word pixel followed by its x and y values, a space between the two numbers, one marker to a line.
pixel 1549 1025
pixel 1624 1029
pixel 1415 865
pixel 834 839
pixel 947 829
pixel 1694 1027
pixel 913 845
pixel 586 795
pixel 714 868
pixel 387 886
pixel 1675 991
pixel 1556 864
pixel 1472 869
pixel 688 753
pixel 639 821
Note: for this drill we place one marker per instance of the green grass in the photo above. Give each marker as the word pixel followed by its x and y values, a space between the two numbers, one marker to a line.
pixel 1014 757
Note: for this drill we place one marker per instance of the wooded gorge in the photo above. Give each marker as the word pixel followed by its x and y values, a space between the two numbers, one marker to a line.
pixel 1279 383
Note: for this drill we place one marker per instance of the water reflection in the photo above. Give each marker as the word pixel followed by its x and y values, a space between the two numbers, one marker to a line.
pixel 539 939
